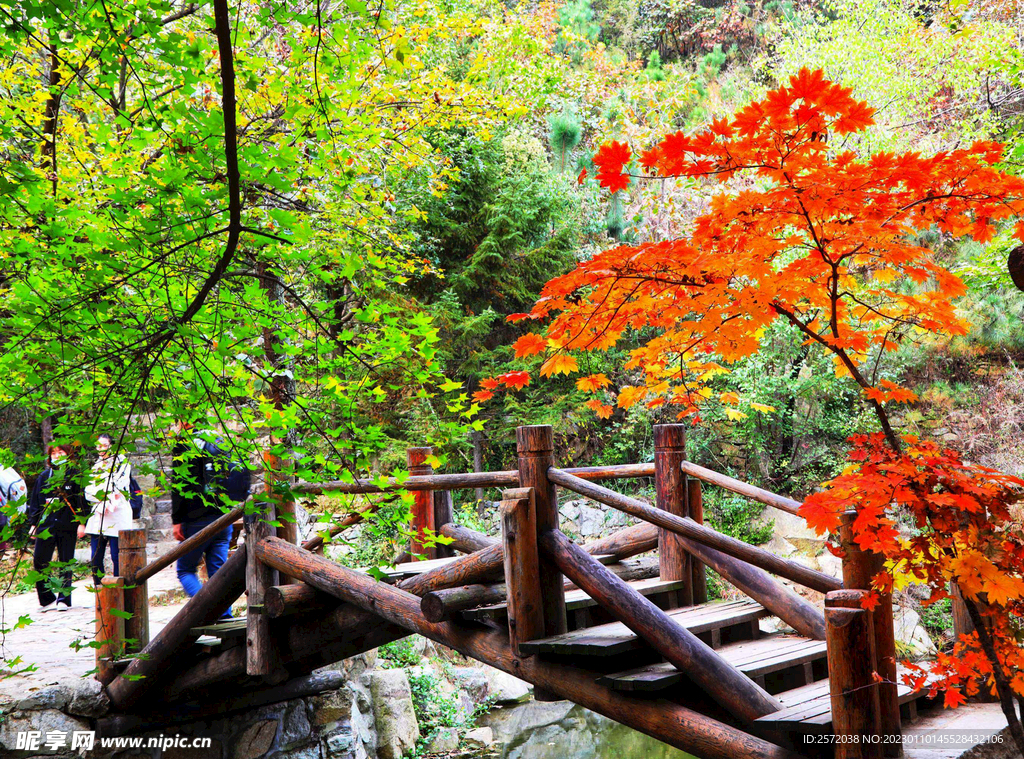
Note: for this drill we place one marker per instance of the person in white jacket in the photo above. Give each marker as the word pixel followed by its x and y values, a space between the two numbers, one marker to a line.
pixel 107 494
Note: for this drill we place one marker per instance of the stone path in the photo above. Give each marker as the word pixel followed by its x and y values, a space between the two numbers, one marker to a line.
pixel 49 641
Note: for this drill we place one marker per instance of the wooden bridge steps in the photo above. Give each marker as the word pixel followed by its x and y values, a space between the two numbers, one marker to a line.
pixel 808 709
pixel 615 638
pixel 413 568
pixel 754 658
pixel 232 628
pixel 575 600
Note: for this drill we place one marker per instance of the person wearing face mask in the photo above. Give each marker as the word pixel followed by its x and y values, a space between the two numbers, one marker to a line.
pixel 107 495
pixel 54 511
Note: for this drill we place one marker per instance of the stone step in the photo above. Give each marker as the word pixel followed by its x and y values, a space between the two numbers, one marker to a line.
pixel 155 535
pixel 162 506
pixel 160 521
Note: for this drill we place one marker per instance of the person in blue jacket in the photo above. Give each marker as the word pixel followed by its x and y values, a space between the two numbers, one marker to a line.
pixel 56 509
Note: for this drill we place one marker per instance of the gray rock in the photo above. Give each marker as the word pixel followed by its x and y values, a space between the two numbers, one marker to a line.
pixel 43 721
pixel 830 565
pixel 510 722
pixel 779 546
pixel 53 697
pixel 424 647
pixel 479 737
pixel 503 688
pixel 394 716
pixel 295 727
pixel 444 742
pixel 339 745
pixel 306 752
pixel 472 680
pixel 256 740
pixel 911 633
pixel 794 529
pixel 331 706
pixel 591 521
pixel 89 700
pixel 570 510
pixel 483 684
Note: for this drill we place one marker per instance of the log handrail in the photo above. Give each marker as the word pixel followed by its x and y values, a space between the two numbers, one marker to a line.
pixel 465 480
pixel 741 488
pixel 189 544
pixel 686 527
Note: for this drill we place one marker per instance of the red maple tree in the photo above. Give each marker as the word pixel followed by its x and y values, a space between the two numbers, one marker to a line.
pixel 804 229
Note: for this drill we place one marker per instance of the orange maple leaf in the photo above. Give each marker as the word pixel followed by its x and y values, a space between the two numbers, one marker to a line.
pixel 610 159
pixel 530 344
pixel 560 363
pixel 592 383
pixel 629 396
pixel 870 601
pixel 516 380
pixel 602 410
pixel 953 698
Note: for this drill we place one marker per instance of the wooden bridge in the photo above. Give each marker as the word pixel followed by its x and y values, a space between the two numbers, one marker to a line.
pixel 635 639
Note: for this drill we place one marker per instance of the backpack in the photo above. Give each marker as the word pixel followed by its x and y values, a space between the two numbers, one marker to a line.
pixel 12 489
pixel 223 477
pixel 135 498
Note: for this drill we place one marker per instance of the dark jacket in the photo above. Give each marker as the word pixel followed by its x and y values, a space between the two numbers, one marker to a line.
pixel 58 501
pixel 189 499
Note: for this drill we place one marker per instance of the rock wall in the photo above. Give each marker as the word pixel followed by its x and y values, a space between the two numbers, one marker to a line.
pixel 371 714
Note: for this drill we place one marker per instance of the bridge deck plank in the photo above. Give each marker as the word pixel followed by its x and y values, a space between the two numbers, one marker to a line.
pixel 575 599
pixel 755 658
pixel 412 568
pixel 809 708
pixel 615 638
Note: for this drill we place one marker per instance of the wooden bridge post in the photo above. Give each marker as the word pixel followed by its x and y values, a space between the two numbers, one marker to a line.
pixel 536 448
pixel 443 514
pixel 859 569
pixel 670 486
pixel 856 718
pixel 695 509
pixel 109 627
pixel 535 445
pixel 261 658
pixel 522 567
pixel 423 502
pixel 132 545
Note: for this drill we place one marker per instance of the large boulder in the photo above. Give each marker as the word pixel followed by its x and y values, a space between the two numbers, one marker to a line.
pixel 794 529
pixel 911 634
pixel 43 721
pixel 484 684
pixel 445 741
pixel 394 715
pixel 89 699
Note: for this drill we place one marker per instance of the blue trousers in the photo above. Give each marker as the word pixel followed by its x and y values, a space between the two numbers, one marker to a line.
pixel 214 550
pixel 99 551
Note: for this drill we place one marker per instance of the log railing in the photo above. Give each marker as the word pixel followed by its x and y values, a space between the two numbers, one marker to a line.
pixel 189 544
pixel 740 488
pixel 690 530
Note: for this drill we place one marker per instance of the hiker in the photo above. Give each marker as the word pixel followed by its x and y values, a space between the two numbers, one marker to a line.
pixel 204 478
pixel 13 500
pixel 107 494
pixel 54 511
